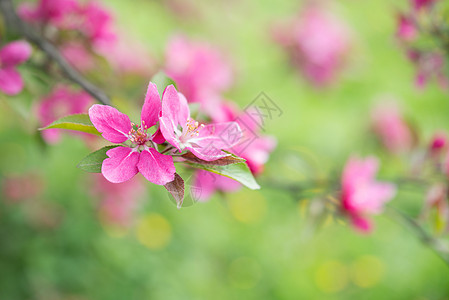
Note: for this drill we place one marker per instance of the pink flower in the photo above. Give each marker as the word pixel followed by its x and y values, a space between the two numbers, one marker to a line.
pixel 317 43
pixel 11 55
pixel 361 194
pixel 438 143
pixel 429 65
pixel 422 4
pixel 60 102
pixel 54 12
pixel 206 183
pixel 140 154
pixel 118 200
pixel 78 56
pixel 254 148
pixel 406 29
pixel 96 24
pixel 257 149
pixel 199 70
pixel 204 141
pixel 390 127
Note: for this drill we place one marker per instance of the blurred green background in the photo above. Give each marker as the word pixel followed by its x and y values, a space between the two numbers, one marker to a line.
pixel 248 245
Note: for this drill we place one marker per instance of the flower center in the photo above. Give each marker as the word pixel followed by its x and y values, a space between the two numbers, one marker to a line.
pixel 137 135
pixel 191 130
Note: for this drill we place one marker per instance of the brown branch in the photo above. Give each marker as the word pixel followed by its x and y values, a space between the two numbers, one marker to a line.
pixel 16 25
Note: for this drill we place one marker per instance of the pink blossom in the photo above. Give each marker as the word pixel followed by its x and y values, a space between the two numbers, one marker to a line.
pixel 77 55
pixel 140 154
pixel 254 148
pixel 200 71
pixel 429 65
pixel 118 200
pixel 204 141
pixel 96 24
pixel 60 102
pixel 317 43
pixel 206 183
pixel 17 188
pixel 257 149
pixel 422 4
pixel 406 29
pixel 438 143
pixel 54 12
pixel 390 127
pixel 11 55
pixel 361 194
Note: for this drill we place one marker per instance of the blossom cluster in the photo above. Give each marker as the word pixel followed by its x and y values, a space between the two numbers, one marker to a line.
pixel 317 43
pixel 416 27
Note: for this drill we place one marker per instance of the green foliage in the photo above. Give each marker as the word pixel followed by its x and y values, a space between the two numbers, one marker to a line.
pixel 92 163
pixel 77 122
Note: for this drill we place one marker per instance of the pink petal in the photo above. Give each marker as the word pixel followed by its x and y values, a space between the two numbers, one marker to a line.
pixel 158 137
pixel 155 167
pixel 15 53
pixel 152 106
pixel 10 81
pixel 113 124
pixel 174 106
pixel 121 164
pixel 361 224
pixel 168 132
pixel 214 138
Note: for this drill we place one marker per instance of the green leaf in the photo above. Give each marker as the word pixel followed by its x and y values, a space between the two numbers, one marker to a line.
pixel 92 163
pixel 237 171
pixel 77 122
pixel 162 81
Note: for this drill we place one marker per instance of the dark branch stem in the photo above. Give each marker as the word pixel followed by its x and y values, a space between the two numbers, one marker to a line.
pixel 16 25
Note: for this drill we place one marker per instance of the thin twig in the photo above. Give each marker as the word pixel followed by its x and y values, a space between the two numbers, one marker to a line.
pixel 440 249
pixel 16 25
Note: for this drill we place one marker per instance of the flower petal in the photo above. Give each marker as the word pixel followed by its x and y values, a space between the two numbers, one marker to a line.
pixel 155 167
pixel 113 124
pixel 15 53
pixel 10 81
pixel 175 107
pixel 151 107
pixel 214 138
pixel 168 132
pixel 121 164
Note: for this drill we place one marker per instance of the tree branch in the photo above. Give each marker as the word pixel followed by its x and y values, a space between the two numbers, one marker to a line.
pixel 16 25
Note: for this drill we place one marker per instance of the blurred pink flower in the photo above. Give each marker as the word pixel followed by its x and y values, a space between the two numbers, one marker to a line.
pixel 11 55
pixel 204 141
pixel 422 4
pixel 429 65
pixel 200 71
pixel 77 55
pixel 118 201
pixel 438 143
pixel 389 125
pixel 138 61
pixel 60 102
pixel 437 199
pixel 96 24
pixel 140 155
pixel 17 188
pixel 206 183
pixel 317 42
pixel 406 29
pixel 361 194
pixel 253 147
pixel 54 12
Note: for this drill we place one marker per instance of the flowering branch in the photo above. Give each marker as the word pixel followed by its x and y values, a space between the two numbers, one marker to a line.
pixel 14 23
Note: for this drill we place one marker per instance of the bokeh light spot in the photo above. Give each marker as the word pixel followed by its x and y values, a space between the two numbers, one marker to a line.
pixel 331 276
pixel 154 231
pixel 244 272
pixel 367 271
pixel 248 207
